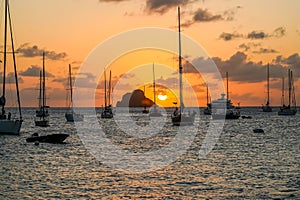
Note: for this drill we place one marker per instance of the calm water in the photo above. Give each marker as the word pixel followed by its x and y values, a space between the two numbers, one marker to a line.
pixel 242 165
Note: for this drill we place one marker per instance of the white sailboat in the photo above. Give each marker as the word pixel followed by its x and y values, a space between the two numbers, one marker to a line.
pixel 42 114
pixel 7 124
pixel 70 115
pixel 154 112
pixel 107 112
pixel 223 107
pixel 291 108
pixel 267 107
pixel 179 118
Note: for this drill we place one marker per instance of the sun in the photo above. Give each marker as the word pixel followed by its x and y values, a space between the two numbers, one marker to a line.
pixel 162 97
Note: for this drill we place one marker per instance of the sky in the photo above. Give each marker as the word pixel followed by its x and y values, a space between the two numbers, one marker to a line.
pixel 241 37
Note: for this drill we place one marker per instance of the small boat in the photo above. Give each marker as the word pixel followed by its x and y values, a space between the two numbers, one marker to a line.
pixel 154 111
pixel 207 110
pixel 267 107
pixel 42 115
pixel 179 117
pixel 107 112
pixel 70 115
pixel 51 138
pixel 291 108
pixel 9 125
pixel 223 108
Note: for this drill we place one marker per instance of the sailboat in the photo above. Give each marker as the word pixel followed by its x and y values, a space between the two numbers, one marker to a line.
pixel 107 110
pixel 154 112
pixel 223 107
pixel 179 118
pixel 42 115
pixel 291 108
pixel 267 107
pixel 7 124
pixel 207 110
pixel 70 115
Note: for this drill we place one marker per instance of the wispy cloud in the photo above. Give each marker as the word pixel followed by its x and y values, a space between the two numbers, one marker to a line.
pixel 161 7
pixel 34 71
pixel 265 50
pixel 254 35
pixel 10 78
pixel 27 50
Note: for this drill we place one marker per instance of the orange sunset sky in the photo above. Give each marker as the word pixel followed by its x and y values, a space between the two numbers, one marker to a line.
pixel 240 36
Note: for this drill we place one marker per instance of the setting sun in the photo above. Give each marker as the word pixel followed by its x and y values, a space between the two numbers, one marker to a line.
pixel 162 97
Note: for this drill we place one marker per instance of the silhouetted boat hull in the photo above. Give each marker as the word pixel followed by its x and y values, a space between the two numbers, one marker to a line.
pixel 43 122
pixel 267 108
pixel 52 138
pixel 10 127
pixel 183 120
pixel 71 117
pixel 287 111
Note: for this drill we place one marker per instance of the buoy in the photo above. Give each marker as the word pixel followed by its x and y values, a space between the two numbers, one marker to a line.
pixel 258 130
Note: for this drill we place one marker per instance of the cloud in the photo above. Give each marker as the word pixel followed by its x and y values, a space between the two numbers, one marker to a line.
pixel 10 78
pixel 242 70
pixel 86 80
pixel 162 6
pixel 203 15
pixel 26 50
pixel 265 50
pixel 34 71
pixel 279 32
pixel 248 46
pixel 230 36
pixel 254 35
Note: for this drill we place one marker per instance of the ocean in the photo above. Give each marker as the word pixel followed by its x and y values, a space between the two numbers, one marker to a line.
pixel 241 165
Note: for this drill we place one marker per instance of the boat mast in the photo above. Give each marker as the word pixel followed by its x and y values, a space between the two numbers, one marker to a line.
pixel 40 92
pixel 154 92
pixel 105 103
pixel 227 90
pixel 290 89
pixel 282 94
pixel 4 56
pixel 71 86
pixel 180 62
pixel 268 85
pixel 15 63
pixel 207 101
pixel 293 91
pixel 44 85
pixel 109 88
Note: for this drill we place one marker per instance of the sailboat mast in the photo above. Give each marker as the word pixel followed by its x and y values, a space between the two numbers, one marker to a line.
pixel 293 91
pixel 71 85
pixel 207 101
pixel 105 103
pixel 4 56
pixel 268 84
pixel 44 85
pixel 40 92
pixel 180 62
pixel 109 88
pixel 290 89
pixel 282 94
pixel 15 64
pixel 154 86
pixel 227 90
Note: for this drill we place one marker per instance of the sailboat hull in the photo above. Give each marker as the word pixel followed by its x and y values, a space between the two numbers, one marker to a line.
pixel 267 109
pixel 183 120
pixel 41 122
pixel 10 127
pixel 287 111
pixel 71 117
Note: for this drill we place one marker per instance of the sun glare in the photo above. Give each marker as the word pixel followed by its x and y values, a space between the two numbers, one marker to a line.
pixel 162 97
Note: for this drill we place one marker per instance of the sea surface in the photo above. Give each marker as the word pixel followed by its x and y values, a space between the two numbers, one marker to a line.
pixel 241 165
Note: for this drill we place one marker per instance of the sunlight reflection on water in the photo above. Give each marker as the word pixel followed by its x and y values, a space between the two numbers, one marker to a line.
pixel 242 165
